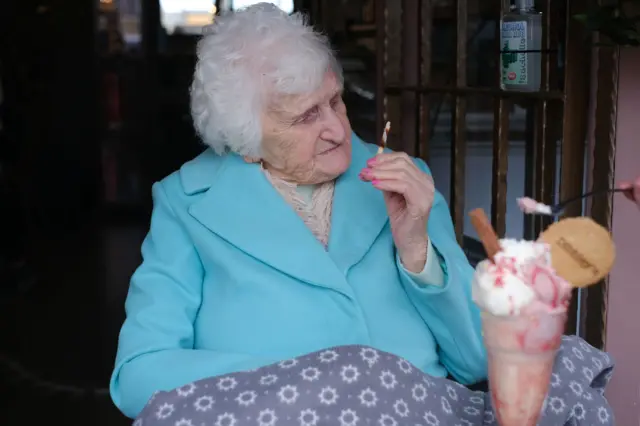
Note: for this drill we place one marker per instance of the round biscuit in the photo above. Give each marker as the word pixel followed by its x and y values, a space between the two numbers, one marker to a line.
pixel 582 252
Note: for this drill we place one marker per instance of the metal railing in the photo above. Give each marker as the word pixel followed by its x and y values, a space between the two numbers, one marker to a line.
pixel 558 114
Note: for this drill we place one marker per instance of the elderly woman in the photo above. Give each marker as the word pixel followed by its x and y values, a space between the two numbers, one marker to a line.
pixel 289 260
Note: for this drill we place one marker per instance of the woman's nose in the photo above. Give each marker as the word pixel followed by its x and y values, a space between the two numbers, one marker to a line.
pixel 333 128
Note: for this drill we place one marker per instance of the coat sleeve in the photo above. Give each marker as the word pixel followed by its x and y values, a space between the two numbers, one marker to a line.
pixel 432 273
pixel 449 310
pixel 156 346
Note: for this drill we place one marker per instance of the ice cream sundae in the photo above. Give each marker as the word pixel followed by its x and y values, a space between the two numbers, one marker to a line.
pixel 524 301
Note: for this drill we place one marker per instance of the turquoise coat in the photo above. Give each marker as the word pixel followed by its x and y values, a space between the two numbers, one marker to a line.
pixel 232 279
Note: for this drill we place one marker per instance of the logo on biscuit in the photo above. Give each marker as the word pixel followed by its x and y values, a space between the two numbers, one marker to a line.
pixel 578 257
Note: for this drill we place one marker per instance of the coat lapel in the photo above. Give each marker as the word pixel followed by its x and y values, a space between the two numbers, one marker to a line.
pixel 359 213
pixel 242 207
pixel 239 205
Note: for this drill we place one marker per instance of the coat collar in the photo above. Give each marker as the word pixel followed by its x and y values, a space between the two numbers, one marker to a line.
pixel 241 206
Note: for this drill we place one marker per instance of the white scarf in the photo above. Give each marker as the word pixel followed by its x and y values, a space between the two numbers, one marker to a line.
pixel 316 214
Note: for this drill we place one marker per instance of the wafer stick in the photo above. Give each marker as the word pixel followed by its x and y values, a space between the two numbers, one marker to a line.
pixel 385 134
pixel 485 231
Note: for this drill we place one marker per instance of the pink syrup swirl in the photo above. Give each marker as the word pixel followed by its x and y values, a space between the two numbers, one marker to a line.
pixel 553 293
pixel 538 326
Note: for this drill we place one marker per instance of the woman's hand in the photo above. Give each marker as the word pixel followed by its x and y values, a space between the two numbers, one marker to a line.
pixel 632 190
pixel 408 194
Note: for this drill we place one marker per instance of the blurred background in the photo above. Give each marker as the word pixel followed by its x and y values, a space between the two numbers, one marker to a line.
pixel 94 108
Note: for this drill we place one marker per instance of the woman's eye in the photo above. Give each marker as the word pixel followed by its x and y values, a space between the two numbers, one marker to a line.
pixel 336 101
pixel 311 115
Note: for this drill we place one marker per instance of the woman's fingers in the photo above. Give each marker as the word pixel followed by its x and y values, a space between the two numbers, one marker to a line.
pixel 379 166
pixel 414 193
pixel 389 157
pixel 397 173
pixel 394 185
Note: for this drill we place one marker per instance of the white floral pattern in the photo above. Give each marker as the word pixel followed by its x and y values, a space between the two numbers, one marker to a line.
pixel 349 374
pixel 368 398
pixel 204 403
pixel 227 384
pixel 401 408
pixel 289 363
pixel 388 380
pixel 362 386
pixel 370 356
pixel 186 390
pixel 165 411
pixel 247 398
pixel 578 411
pixel 288 394
pixel 387 420
pixel 419 392
pixel 348 417
pixel 310 374
pixel 404 366
pixel 268 380
pixel 328 396
pixel 226 419
pixel 328 356
pixel 308 418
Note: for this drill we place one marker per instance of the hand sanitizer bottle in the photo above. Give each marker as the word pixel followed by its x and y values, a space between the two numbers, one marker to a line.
pixel 521 30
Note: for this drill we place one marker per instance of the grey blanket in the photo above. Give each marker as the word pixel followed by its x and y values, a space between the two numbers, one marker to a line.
pixel 362 386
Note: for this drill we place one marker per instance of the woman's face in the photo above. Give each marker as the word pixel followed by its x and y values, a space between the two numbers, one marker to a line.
pixel 307 138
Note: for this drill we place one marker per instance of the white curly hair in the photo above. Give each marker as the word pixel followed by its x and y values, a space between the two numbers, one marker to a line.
pixel 245 58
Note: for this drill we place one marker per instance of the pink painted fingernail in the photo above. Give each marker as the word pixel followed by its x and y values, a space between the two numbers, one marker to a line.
pixel 371 162
pixel 375 182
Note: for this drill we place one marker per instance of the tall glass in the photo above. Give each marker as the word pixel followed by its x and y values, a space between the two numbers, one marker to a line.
pixel 521 352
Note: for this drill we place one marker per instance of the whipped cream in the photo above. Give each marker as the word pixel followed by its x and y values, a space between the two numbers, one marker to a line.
pixel 520 281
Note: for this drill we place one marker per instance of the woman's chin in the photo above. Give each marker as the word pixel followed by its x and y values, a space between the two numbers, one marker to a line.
pixel 336 161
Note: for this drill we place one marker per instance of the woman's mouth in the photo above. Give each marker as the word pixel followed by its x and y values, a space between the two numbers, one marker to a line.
pixel 333 148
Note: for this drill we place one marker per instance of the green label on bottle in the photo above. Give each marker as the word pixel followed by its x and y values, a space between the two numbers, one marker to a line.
pixel 514 65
